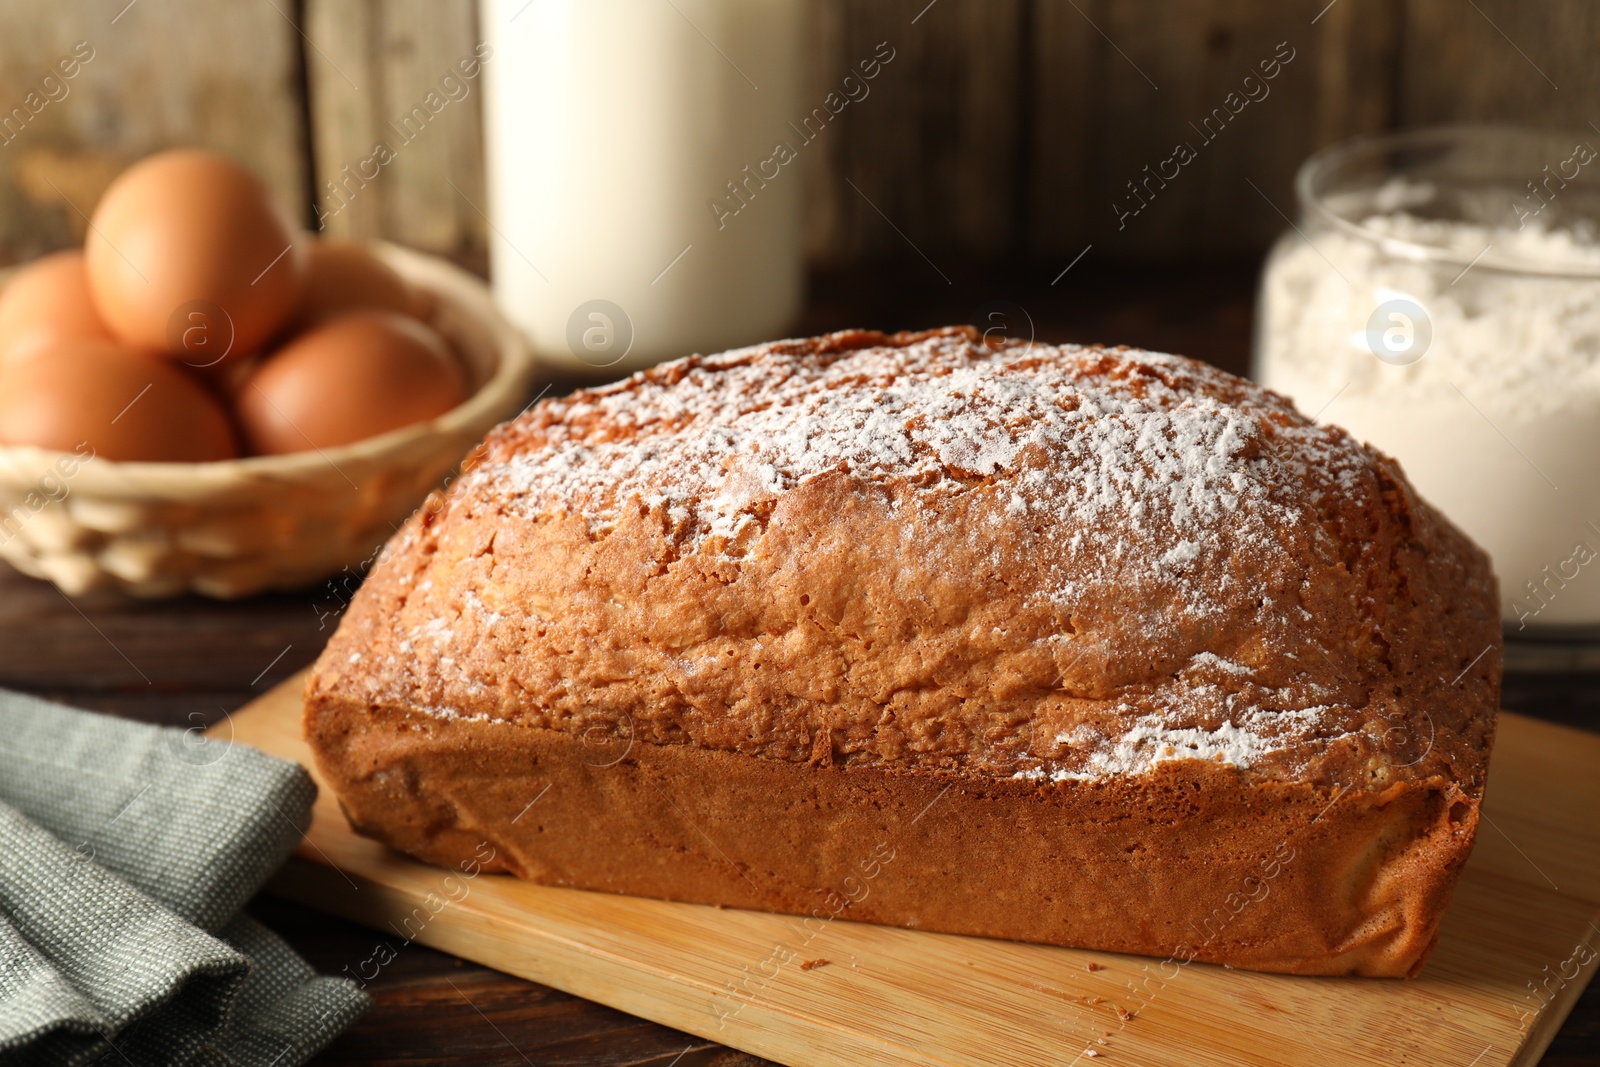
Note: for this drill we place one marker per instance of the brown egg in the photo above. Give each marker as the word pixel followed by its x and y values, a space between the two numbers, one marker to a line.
pixel 127 405
pixel 48 301
pixel 344 277
pixel 188 254
pixel 423 303
pixel 353 377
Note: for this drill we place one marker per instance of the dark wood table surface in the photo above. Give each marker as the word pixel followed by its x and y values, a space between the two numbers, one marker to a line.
pixel 189 661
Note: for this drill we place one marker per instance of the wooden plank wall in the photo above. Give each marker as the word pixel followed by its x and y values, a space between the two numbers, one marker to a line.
pixel 160 73
pixel 1175 76
pixel 374 63
pixel 1002 129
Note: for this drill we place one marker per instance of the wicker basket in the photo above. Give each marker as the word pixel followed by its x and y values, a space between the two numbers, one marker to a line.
pixel 238 527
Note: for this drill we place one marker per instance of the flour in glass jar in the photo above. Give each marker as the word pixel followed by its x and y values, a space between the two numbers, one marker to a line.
pixel 1498 422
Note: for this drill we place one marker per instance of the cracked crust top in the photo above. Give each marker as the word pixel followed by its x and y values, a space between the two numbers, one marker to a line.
pixel 917 551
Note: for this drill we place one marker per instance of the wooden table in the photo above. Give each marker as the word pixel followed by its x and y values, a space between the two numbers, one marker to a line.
pixel 186 662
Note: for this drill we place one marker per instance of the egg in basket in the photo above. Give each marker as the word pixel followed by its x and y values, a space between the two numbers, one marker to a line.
pixel 208 399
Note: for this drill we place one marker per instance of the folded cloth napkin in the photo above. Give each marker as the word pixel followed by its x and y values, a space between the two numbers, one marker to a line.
pixel 126 854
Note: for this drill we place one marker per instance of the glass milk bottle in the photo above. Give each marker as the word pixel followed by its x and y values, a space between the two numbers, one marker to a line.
pixel 644 185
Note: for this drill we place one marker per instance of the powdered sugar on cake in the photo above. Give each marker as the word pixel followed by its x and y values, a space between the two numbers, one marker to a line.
pixel 1241 741
pixel 1140 475
pixel 744 427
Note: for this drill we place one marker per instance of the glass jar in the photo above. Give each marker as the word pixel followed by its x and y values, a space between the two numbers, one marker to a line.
pixel 644 175
pixel 1440 299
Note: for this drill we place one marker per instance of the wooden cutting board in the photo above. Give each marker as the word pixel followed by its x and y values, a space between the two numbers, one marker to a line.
pixel 1517 947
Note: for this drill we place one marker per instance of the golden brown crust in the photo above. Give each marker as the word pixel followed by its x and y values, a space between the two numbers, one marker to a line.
pixel 1188 862
pixel 852 568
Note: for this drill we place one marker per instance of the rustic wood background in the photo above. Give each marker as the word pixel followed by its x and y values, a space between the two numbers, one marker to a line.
pixel 1004 129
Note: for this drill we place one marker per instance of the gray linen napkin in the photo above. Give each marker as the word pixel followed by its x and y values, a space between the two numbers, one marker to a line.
pixel 126 853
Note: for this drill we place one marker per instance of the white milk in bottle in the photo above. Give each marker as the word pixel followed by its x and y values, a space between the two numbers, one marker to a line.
pixel 641 207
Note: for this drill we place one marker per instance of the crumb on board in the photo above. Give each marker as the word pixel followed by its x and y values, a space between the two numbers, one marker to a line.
pixel 811 964
pixel 1091 1052
pixel 1092 966
pixel 1123 1013
pixel 1095 1000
